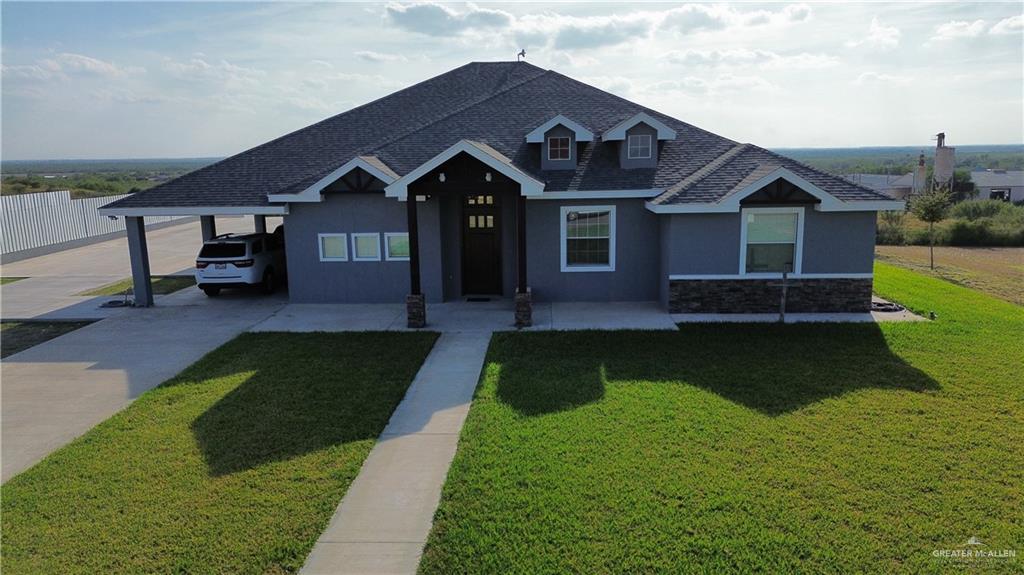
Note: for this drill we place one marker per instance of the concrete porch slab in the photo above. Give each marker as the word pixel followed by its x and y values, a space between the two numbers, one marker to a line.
pixel 462 316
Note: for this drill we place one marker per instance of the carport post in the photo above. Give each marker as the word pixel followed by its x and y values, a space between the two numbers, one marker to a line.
pixel 139 255
pixel 260 223
pixel 209 227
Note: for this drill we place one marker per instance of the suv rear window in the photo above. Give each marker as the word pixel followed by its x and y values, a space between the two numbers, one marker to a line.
pixel 223 250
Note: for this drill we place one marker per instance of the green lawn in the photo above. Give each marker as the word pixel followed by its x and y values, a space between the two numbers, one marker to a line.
pixel 809 448
pixel 18 336
pixel 234 466
pixel 161 285
pixel 10 279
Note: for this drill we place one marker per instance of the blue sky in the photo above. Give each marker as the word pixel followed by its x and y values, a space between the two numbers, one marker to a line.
pixel 112 80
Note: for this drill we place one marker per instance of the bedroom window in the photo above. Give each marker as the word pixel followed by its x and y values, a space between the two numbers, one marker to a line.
pixel 772 240
pixel 639 147
pixel 558 148
pixel 588 238
pixel 396 246
pixel 333 247
pixel 366 247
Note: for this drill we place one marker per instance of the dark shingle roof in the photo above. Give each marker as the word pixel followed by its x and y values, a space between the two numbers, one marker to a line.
pixel 746 163
pixel 495 104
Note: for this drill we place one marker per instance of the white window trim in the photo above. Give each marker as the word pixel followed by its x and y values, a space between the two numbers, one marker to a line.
pixel 798 249
pixel 564 232
pixel 650 147
pixel 355 253
pixel 387 247
pixel 550 159
pixel 320 246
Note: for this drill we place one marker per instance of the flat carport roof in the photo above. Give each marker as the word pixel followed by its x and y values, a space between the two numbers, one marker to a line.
pixel 135 227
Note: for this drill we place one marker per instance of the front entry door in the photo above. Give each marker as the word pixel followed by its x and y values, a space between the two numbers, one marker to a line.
pixel 481 244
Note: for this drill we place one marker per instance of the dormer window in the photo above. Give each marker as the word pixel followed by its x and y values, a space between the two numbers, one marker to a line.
pixel 561 141
pixel 639 137
pixel 639 147
pixel 559 148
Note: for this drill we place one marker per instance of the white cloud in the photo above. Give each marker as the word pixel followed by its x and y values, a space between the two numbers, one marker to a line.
pixel 618 85
pixel 698 17
pixel 573 32
pixel 875 79
pixel 32 72
pixel 1011 25
pixel 66 64
pixel 440 20
pixel 797 12
pixel 879 37
pixel 71 63
pixel 744 56
pixel 957 29
pixel 582 33
pixel 717 86
pixel 371 56
pixel 198 69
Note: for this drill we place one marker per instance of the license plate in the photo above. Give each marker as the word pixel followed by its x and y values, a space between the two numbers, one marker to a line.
pixel 220 266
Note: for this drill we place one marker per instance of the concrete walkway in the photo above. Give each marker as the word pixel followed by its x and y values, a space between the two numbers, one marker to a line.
pixel 385 517
pixel 58 390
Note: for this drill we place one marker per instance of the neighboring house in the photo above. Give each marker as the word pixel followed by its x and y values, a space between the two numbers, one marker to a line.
pixel 896 187
pixel 1006 185
pixel 508 180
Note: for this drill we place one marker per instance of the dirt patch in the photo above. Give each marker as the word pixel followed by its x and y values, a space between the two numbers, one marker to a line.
pixel 996 271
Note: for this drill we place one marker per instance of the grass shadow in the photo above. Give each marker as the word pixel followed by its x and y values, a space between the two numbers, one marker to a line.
pixel 774 369
pixel 311 402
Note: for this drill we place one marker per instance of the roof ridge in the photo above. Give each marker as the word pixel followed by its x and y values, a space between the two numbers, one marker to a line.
pixel 378 145
pixel 705 171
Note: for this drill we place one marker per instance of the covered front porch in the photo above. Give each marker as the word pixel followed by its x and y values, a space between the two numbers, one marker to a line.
pixel 481 205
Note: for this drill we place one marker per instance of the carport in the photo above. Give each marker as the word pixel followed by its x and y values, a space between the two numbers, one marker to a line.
pixel 135 227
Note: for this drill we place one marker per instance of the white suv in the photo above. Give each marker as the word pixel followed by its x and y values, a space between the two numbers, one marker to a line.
pixel 229 261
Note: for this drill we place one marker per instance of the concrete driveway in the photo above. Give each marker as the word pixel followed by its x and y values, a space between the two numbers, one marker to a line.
pixel 54 280
pixel 58 390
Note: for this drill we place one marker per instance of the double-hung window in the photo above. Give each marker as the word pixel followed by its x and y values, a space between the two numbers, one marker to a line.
pixel 558 148
pixel 588 238
pixel 639 147
pixel 772 240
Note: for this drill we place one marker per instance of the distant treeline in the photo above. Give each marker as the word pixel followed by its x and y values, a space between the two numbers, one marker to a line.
pixel 155 165
pixel 903 159
pixel 91 178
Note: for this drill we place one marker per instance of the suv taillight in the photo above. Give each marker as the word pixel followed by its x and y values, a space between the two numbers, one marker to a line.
pixel 202 265
pixel 243 263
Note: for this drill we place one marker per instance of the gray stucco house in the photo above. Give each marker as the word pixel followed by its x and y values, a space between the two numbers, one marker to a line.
pixel 514 181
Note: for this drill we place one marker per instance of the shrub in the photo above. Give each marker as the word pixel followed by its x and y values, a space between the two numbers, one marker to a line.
pixel 890 229
pixel 979 209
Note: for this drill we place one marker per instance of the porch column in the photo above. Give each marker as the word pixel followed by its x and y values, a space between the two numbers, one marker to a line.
pixel 209 227
pixel 138 253
pixel 260 224
pixel 415 303
pixel 524 298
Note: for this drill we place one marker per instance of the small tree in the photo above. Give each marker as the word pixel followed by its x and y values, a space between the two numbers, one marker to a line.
pixel 932 207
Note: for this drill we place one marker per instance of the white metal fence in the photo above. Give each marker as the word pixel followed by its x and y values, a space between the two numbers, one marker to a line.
pixel 35 220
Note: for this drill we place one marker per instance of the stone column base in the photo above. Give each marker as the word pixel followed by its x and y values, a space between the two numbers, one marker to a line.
pixel 524 308
pixel 416 310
